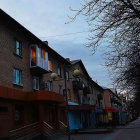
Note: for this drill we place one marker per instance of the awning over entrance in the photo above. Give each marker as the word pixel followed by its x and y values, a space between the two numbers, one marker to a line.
pixel 81 107
pixel 109 109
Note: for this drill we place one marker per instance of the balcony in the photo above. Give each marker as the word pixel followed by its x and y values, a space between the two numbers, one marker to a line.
pixel 38 59
pixel 77 85
pixel 86 90
pixel 100 96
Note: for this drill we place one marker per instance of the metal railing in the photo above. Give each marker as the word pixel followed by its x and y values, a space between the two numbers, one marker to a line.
pixel 62 125
pixel 30 130
pixel 40 62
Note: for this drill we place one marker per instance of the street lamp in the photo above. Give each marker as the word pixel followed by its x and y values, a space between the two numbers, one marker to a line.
pixel 76 73
pixel 53 76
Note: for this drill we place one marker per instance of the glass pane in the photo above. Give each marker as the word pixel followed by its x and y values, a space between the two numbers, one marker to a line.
pixel 17 47
pixel 33 51
pixel 33 56
pixel 50 65
pixel 17 75
pixel 14 75
pixel 39 52
pixel 46 56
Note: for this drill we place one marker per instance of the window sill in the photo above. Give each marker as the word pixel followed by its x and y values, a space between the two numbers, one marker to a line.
pixel 20 85
pixel 60 76
pixel 20 56
pixel 35 89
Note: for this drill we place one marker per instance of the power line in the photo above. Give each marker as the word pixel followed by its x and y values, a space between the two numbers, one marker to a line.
pixel 66 34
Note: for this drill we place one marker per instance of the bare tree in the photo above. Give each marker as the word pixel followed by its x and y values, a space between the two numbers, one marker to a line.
pixel 115 24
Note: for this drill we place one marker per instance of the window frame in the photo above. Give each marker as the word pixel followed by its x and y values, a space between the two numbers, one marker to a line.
pixel 61 89
pixel 19 48
pixel 17 77
pixel 49 65
pixel 59 71
pixel 36 80
pixel 67 75
pixel 48 86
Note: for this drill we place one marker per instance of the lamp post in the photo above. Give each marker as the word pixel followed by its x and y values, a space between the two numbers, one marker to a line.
pixel 76 73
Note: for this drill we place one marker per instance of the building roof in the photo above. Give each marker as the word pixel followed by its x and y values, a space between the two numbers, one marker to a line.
pixel 73 62
pixel 11 23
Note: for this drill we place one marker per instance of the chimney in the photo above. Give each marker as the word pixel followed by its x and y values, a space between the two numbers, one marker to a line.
pixel 46 42
pixel 68 59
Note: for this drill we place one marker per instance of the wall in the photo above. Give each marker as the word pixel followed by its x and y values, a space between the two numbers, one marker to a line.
pixel 9 61
pixel 107 99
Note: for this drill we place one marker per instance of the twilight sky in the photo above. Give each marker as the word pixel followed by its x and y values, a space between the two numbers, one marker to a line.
pixel 46 19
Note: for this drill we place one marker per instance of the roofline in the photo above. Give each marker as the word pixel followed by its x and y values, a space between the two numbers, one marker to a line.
pixel 80 61
pixel 18 25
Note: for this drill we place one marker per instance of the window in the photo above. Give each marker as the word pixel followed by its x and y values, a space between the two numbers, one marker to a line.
pixel 48 85
pixel 18 48
pixel 50 65
pixel 67 75
pixel 36 83
pixel 59 72
pixel 33 56
pixel 18 114
pixel 60 89
pixel 17 76
pixel 3 109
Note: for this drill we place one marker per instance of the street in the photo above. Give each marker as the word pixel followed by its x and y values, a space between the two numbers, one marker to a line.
pixel 129 132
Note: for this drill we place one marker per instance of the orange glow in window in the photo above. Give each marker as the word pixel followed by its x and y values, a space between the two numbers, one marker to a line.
pixel 33 51
pixel 50 65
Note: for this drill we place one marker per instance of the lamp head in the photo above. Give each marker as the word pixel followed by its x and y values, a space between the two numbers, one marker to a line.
pixel 76 73
pixel 53 76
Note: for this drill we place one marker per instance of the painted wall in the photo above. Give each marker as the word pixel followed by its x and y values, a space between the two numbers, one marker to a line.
pixel 74 120
pixel 81 119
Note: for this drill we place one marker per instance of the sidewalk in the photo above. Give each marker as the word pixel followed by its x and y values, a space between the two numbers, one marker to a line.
pixel 94 131
pixel 100 130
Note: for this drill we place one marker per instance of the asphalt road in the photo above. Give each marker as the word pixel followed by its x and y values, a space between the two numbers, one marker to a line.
pixel 129 132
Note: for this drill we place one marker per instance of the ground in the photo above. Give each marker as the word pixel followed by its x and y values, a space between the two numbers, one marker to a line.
pixel 129 132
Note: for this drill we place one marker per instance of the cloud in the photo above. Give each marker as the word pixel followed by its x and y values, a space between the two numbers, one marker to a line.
pixel 46 18
pixel 93 63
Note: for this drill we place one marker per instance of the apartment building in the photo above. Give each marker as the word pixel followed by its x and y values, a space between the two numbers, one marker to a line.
pixel 38 87
pixel 82 100
pixel 27 100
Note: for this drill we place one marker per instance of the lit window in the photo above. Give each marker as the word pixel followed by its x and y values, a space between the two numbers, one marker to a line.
pixel 17 76
pixel 33 56
pixel 50 65
pixel 36 83
pixel 18 48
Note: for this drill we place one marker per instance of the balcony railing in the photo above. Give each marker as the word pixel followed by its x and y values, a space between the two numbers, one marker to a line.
pixel 39 62
pixel 86 90
pixel 77 85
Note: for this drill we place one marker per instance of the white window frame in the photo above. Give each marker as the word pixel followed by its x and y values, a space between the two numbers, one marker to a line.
pixel 36 83
pixel 61 89
pixel 17 77
pixel 48 85
pixel 19 48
